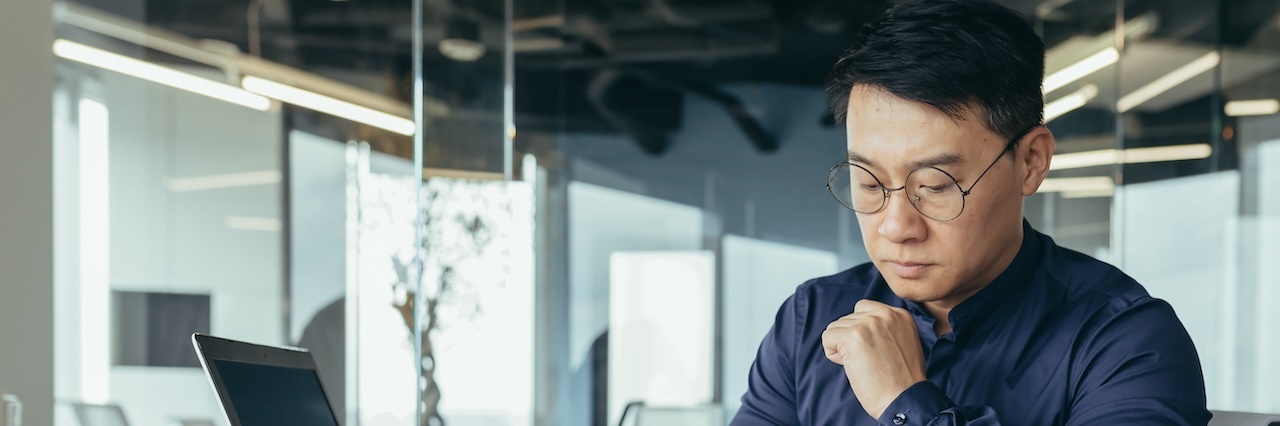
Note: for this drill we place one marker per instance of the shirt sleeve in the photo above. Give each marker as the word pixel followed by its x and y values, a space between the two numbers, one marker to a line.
pixel 770 399
pixel 923 404
pixel 1140 368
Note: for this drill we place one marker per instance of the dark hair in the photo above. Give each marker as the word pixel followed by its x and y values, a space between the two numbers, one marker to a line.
pixel 957 56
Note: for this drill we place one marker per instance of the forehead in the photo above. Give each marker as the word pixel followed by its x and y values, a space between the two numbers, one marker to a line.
pixel 880 124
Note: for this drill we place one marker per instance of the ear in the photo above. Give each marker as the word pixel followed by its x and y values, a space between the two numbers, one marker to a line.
pixel 1035 153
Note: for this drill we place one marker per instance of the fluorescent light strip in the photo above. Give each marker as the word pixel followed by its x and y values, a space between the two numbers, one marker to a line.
pixel 321 103
pixel 264 224
pixel 1080 160
pixel 1168 81
pixel 1089 194
pixel 157 74
pixel 95 251
pixel 230 180
pixel 1070 102
pixel 1077 184
pixel 1081 69
pixel 1252 107
pixel 1106 157
pixel 1158 154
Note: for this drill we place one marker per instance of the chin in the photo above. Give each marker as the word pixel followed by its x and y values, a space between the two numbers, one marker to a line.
pixel 918 291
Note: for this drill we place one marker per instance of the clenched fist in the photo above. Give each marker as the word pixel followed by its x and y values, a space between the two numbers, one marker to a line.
pixel 879 347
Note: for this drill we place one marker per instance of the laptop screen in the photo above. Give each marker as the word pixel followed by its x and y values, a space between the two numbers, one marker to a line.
pixel 266 395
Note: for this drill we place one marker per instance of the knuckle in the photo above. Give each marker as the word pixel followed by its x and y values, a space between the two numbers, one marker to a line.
pixel 860 334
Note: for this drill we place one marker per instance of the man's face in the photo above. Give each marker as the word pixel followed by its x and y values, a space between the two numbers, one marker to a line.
pixel 923 259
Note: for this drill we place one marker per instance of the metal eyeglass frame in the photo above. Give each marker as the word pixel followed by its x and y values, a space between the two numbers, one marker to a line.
pixel 964 193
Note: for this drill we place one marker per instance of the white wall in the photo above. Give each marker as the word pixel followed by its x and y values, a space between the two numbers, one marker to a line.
pixel 1265 369
pixel 163 240
pixel 317 202
pixel 1181 242
pixel 603 221
pixel 758 276
pixel 26 207
pixel 661 329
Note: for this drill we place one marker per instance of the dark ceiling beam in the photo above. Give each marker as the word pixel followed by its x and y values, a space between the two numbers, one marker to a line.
pixel 760 138
pixel 281 37
pixel 663 14
pixel 609 92
pixel 667 56
pixel 366 17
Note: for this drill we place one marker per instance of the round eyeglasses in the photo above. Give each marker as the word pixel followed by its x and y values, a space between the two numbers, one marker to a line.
pixel 933 192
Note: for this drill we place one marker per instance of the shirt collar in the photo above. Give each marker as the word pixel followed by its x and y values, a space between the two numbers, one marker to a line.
pixel 970 314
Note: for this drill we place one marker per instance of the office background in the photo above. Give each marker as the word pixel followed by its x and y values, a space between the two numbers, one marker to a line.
pixel 556 208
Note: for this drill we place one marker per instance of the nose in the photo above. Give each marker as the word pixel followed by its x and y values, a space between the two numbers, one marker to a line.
pixel 901 223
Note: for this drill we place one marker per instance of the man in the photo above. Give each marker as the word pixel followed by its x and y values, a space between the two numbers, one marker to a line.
pixel 965 315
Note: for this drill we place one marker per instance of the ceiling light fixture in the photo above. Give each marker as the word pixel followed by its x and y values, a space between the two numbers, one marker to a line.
pixel 1070 102
pixel 224 181
pixel 1168 81
pixel 1252 107
pixel 71 50
pixel 332 106
pixel 1088 194
pixel 462 41
pixel 1081 69
pixel 1106 157
pixel 1077 184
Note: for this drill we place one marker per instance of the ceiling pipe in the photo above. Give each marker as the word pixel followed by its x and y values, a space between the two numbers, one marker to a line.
pixel 651 139
pixel 741 115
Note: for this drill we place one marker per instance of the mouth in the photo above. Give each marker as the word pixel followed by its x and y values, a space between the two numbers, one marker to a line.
pixel 908 270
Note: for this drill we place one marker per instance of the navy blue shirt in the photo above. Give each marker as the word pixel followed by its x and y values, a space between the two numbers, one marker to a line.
pixel 1058 338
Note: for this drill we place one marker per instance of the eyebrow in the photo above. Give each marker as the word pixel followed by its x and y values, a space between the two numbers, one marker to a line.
pixel 933 161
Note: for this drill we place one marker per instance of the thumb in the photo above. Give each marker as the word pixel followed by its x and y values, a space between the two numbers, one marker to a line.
pixel 832 352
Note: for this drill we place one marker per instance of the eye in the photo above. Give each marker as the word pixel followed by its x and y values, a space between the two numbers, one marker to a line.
pixel 869 187
pixel 935 189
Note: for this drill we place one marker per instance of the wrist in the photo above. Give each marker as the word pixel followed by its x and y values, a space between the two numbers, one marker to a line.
pixel 920 404
pixel 889 398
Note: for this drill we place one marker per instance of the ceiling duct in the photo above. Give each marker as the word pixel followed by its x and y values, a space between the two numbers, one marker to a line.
pixel 759 137
pixel 637 106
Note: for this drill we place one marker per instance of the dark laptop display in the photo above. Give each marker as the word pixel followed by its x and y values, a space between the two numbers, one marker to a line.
pixel 268 395
pixel 264 386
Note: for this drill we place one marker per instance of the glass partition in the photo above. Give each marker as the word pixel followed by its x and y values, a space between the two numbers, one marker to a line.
pixel 246 170
pixel 675 127
pixel 476 212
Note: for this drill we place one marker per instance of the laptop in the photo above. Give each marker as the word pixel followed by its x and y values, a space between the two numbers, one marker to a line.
pixel 261 385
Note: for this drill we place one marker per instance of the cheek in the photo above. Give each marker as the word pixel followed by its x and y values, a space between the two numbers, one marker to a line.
pixel 949 243
pixel 868 226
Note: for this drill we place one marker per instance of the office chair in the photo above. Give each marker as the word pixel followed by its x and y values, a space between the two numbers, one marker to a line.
pixel 1233 418
pixel 637 413
pixel 100 415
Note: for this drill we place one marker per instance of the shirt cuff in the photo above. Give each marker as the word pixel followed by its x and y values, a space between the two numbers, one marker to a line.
pixel 919 405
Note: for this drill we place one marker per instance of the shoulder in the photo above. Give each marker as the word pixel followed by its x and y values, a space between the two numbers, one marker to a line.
pixel 1092 284
pixel 1126 344
pixel 1107 302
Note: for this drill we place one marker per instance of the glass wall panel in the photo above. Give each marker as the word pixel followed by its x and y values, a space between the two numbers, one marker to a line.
pixel 473 213
pixel 1196 97
pixel 1160 110
pixel 240 169
pixel 674 128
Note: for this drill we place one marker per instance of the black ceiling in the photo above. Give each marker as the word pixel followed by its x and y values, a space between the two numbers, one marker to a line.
pixel 662 44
